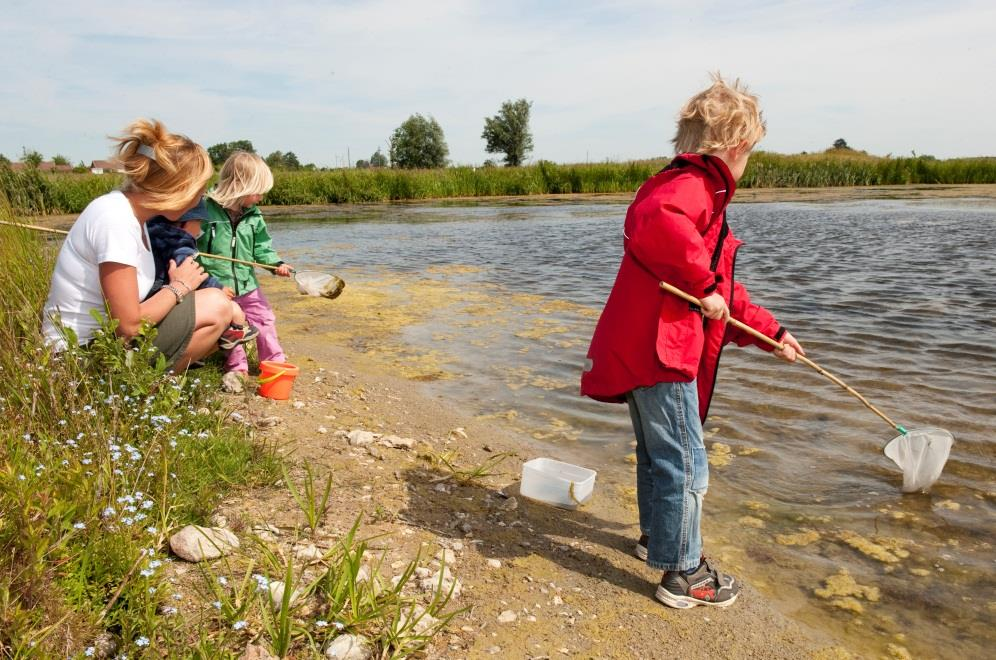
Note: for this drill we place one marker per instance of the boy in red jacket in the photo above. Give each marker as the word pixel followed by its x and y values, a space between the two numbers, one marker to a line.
pixel 659 354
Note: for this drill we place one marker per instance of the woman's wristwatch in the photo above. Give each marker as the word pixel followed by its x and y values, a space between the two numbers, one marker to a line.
pixel 176 292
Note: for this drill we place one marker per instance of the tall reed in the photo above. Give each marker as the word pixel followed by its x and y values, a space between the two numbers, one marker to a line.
pixel 33 192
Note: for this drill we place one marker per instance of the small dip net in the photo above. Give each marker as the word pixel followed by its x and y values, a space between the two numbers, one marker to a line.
pixel 317 283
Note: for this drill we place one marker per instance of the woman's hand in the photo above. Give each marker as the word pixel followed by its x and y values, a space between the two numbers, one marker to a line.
pixel 283 270
pixel 190 274
pixel 792 348
pixel 714 307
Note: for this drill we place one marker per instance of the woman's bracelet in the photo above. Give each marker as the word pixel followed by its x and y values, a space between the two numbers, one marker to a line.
pixel 176 292
pixel 184 285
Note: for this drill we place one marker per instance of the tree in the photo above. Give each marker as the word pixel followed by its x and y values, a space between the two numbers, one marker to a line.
pixel 31 158
pixel 840 143
pixel 4 160
pixel 418 143
pixel 362 164
pixel 59 159
pixel 508 132
pixel 220 152
pixel 291 162
pixel 275 160
pixel 378 159
pixel 278 160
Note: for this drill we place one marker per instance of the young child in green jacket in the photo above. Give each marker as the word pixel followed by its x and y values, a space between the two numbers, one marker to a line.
pixel 235 228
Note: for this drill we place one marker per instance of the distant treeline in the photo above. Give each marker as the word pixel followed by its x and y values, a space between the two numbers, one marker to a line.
pixel 32 192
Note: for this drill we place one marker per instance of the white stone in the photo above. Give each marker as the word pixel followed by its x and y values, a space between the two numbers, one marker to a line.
pixel 269 422
pixel 298 405
pixel 508 616
pixel 557 600
pixel 420 620
pixel 195 543
pixel 322 430
pixel 446 556
pixel 308 552
pixel 359 437
pixel 458 433
pixel 256 652
pixel 277 588
pixel 395 442
pixel 349 647
pixel 494 563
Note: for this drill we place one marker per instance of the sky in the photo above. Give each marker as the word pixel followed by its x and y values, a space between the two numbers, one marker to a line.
pixel 331 80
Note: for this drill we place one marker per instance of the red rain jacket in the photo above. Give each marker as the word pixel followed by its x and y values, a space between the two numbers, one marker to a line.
pixel 675 231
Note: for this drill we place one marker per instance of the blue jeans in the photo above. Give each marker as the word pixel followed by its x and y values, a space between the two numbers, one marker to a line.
pixel 672 472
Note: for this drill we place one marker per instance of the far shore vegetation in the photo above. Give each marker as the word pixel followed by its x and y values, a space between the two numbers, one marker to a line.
pixel 35 191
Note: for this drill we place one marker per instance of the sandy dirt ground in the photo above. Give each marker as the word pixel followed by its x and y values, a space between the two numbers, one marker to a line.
pixel 569 577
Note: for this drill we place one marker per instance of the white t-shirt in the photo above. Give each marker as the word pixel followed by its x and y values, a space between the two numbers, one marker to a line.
pixel 106 231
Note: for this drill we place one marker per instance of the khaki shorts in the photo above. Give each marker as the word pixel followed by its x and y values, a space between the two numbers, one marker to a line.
pixel 174 332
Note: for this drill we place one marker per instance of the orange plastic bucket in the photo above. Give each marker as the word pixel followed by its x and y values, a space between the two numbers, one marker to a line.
pixel 276 378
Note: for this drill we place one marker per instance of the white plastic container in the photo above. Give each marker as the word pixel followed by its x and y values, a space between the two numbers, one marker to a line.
pixel 554 482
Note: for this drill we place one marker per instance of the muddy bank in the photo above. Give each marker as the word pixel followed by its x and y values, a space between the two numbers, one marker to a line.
pixel 746 195
pixel 565 583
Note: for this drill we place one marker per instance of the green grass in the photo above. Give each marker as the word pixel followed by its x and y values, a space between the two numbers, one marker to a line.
pixel 102 455
pixel 35 193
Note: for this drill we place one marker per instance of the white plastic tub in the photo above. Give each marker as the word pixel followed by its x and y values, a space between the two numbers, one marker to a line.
pixel 553 482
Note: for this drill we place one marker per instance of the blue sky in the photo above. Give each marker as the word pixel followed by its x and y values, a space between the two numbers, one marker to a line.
pixel 606 78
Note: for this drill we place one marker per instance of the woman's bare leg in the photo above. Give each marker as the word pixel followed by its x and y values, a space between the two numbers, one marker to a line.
pixel 212 315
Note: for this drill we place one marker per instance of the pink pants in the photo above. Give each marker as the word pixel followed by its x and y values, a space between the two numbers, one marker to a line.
pixel 258 313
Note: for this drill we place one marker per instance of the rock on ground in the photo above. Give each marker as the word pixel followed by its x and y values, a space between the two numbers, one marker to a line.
pixel 349 647
pixel 195 543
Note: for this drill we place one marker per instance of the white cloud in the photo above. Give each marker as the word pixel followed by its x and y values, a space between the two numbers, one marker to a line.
pixel 606 78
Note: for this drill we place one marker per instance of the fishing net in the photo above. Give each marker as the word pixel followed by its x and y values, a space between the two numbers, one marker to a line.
pixel 316 283
pixel 921 455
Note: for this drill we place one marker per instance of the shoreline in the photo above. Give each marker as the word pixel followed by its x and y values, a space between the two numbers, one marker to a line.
pixel 568 577
pixel 743 196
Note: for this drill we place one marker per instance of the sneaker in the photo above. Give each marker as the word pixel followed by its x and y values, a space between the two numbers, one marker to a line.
pixel 233 382
pixel 703 586
pixel 237 335
pixel 641 547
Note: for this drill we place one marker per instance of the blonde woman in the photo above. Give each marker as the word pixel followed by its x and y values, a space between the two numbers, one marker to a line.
pixel 106 261
pixel 235 228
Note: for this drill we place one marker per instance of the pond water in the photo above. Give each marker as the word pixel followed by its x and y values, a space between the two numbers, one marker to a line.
pixel 894 297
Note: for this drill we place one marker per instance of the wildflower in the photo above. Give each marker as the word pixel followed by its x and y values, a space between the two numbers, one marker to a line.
pixel 147 504
pixel 89 651
pixel 108 512
pixel 142 641
pixel 21 477
pixel 177 596
pixel 27 436
pixel 147 572
pixel 169 610
pixel 321 624
pixel 239 625
pixel 79 525
pixel 339 626
pixel 222 580
pixel 217 604
pixel 262 583
pixel 152 590
pixel 151 530
pixel 127 520
pixel 86 461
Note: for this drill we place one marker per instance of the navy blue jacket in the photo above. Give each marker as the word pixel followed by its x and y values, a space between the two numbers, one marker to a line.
pixel 171 242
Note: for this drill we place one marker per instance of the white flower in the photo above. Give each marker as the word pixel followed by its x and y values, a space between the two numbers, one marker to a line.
pixel 217 604
pixel 79 525
pixel 239 625
pixel 108 512
pixel 89 651
pixel 222 580
pixel 321 624
pixel 147 572
pixel 142 641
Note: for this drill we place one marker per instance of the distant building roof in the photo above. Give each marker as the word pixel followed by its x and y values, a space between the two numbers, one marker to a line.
pixel 113 165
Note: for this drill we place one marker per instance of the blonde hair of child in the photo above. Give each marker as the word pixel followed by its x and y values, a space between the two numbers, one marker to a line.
pixel 719 117
pixel 242 174
pixel 170 169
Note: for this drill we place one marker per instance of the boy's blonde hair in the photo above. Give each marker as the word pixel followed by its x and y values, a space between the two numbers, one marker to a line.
pixel 719 117
pixel 170 169
pixel 242 174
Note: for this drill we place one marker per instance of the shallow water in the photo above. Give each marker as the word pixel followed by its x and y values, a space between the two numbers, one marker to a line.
pixel 894 297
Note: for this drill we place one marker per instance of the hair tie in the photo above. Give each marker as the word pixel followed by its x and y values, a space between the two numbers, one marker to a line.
pixel 147 151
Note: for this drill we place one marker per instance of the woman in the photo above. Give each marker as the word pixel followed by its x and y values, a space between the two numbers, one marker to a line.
pixel 106 262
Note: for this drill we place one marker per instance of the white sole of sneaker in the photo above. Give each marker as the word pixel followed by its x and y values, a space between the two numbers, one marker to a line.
pixel 640 551
pixel 687 602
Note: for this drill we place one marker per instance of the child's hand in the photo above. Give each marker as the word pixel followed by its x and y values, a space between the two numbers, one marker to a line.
pixel 228 292
pixel 283 270
pixel 792 347
pixel 714 307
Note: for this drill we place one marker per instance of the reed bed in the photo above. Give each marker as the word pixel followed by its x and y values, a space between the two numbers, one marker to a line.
pixel 36 193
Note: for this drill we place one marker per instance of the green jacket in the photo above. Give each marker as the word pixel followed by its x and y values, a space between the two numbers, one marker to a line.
pixel 245 239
